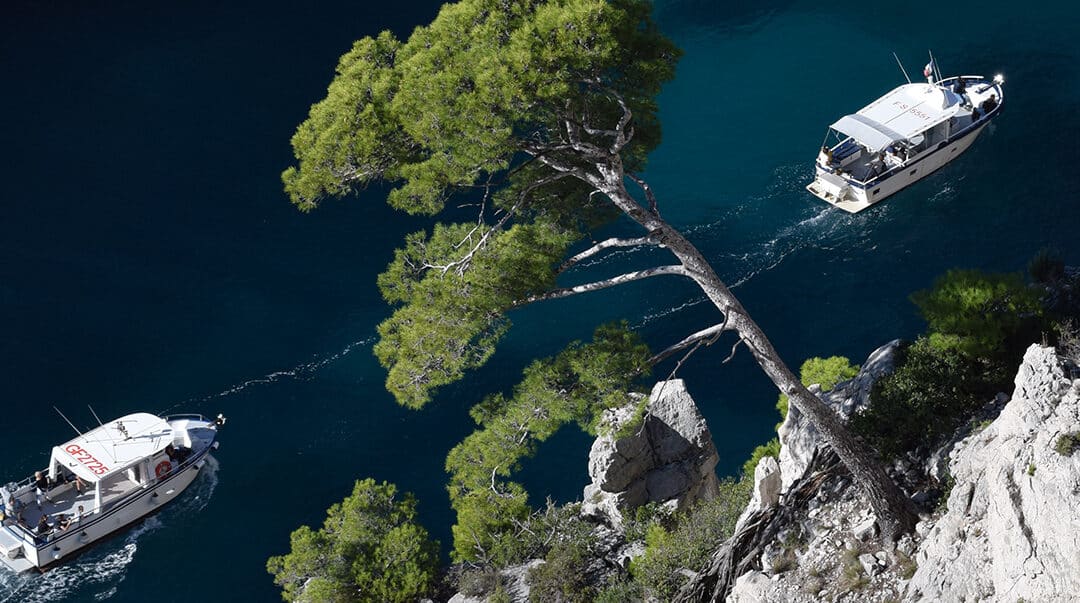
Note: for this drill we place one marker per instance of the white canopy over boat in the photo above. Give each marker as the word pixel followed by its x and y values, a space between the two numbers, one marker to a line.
pixel 113 447
pixel 902 114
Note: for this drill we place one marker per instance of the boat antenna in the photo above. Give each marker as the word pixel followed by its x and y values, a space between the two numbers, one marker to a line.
pixel 68 422
pixel 95 415
pixel 902 70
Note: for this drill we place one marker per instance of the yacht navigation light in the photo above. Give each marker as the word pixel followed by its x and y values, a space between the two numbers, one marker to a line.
pixel 999 79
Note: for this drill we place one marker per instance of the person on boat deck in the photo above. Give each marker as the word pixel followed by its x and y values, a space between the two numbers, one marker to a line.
pixel 877 164
pixel 63 523
pixel 989 104
pixel 41 487
pixel 43 525
pixel 960 87
pixel 77 515
pixel 826 155
pixel 891 158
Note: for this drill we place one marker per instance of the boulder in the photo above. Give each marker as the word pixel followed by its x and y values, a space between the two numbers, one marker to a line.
pixel 751 587
pixel 1011 531
pixel 670 459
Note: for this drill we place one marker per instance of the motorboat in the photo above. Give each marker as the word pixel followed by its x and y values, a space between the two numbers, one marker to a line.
pixel 101 481
pixel 902 138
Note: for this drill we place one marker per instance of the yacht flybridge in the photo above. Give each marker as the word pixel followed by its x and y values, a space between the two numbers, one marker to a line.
pixel 903 137
pixel 100 482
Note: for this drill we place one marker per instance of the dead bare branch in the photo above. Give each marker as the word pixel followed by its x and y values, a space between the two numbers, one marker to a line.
pixel 602 245
pixel 604 284
pixel 649 196
pixel 712 332
pixel 733 350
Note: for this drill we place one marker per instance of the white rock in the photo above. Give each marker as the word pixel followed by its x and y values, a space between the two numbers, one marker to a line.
pixel 670 460
pixel 866 529
pixel 1030 548
pixel 869 564
pixel 751 587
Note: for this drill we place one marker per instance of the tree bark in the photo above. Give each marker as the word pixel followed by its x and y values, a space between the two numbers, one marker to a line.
pixel 894 511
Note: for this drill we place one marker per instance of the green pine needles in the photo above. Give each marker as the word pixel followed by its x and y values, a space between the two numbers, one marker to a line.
pixel 370 549
pixel 573 387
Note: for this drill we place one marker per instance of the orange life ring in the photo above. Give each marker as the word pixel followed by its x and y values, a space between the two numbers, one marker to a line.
pixel 163 468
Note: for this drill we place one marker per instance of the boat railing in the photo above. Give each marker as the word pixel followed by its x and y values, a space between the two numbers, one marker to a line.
pixel 30 536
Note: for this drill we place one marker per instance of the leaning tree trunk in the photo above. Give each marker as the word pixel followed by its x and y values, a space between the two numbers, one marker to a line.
pixel 894 511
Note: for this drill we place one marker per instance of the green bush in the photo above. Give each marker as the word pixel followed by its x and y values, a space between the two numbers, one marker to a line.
pixel 1068 443
pixel 620 591
pixel 928 395
pixel 826 372
pixel 691 541
pixel 770 448
pixel 1046 267
pixel 563 576
pixel 533 536
pixel 369 549
pixel 989 316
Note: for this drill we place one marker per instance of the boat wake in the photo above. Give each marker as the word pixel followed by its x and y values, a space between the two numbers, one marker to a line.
pixel 96 574
pixel 740 251
pixel 301 372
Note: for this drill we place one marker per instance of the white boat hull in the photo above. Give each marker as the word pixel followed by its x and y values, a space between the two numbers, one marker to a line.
pixel 109 508
pixel 852 197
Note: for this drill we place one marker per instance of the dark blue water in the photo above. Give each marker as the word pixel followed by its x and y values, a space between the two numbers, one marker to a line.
pixel 150 261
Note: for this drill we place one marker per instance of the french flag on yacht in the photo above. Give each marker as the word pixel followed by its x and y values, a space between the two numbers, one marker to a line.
pixel 929 69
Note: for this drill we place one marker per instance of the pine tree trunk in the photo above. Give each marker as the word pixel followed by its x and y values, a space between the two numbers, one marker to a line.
pixel 894 511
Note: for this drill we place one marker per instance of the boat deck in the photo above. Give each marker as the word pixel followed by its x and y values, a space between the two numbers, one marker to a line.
pixel 62 500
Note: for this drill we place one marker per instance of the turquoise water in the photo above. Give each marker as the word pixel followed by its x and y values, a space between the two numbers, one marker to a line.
pixel 150 261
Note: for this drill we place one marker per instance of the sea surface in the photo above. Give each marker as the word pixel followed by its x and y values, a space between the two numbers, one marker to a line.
pixel 150 261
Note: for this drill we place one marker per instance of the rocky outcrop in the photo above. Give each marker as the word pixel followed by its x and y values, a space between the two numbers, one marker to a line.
pixel 669 459
pixel 799 438
pixel 515 584
pixel 1012 531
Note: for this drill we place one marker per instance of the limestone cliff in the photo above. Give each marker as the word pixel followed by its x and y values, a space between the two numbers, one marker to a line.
pixel 1011 531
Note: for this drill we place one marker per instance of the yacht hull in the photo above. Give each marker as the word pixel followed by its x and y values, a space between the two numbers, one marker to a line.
pixel 854 197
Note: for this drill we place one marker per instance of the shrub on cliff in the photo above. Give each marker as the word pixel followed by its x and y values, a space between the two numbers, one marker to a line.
pixel 369 549
pixel 826 372
pixel 981 315
pixel 691 541
pixel 925 398
pixel 979 325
